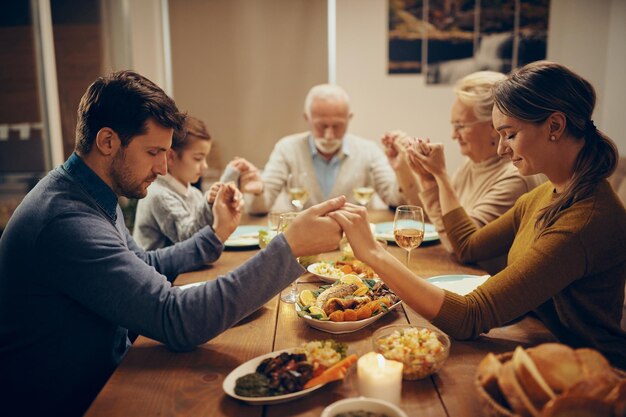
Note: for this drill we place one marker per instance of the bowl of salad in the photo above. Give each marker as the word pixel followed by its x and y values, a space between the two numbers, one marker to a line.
pixel 422 350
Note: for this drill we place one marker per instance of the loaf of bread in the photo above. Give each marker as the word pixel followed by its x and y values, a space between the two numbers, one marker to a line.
pixel 553 380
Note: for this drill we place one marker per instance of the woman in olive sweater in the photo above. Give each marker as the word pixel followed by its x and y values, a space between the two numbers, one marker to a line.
pixel 566 240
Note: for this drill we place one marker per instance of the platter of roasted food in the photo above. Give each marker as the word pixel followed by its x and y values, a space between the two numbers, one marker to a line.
pixel 332 271
pixel 287 374
pixel 550 380
pixel 347 305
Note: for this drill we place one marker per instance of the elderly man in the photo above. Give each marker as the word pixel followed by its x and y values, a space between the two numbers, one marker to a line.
pixel 73 282
pixel 335 161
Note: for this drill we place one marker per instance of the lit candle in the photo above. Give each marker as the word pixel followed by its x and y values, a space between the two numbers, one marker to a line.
pixel 379 377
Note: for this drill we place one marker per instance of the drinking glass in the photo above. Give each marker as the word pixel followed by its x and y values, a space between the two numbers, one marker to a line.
pixel 408 228
pixel 296 187
pixel 273 218
pixel 364 193
pixel 285 221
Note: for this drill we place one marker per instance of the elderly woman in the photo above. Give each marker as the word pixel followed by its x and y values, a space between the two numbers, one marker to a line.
pixel 486 185
pixel 566 239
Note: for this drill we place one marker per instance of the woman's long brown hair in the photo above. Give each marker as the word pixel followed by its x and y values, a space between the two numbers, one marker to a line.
pixel 537 90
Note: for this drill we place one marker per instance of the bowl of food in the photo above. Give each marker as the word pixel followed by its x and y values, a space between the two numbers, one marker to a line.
pixel 364 406
pixel 422 350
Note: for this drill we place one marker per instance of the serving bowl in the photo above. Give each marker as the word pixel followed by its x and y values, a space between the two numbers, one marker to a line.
pixel 422 350
pixel 372 405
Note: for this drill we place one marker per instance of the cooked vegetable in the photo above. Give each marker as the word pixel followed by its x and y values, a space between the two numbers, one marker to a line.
pixel 334 373
pixel 253 385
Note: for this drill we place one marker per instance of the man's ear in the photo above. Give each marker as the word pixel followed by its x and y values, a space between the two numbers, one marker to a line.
pixel 306 117
pixel 107 141
pixel 350 116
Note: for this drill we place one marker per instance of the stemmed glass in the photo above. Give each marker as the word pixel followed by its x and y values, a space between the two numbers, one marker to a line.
pixel 273 219
pixel 408 228
pixel 296 187
pixel 364 193
pixel 285 220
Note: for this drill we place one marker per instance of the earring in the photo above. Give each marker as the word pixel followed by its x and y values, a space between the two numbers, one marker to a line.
pixel 493 143
pixel 552 138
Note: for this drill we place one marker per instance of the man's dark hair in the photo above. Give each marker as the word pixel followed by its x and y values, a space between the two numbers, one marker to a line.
pixel 123 101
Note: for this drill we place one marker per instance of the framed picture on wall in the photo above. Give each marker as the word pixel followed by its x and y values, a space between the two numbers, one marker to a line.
pixel 448 39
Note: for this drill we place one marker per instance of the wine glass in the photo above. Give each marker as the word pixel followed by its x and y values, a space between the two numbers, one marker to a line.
pixel 296 187
pixel 364 193
pixel 408 228
pixel 273 219
pixel 285 220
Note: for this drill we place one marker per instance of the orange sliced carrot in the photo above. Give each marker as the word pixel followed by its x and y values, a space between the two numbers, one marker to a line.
pixel 334 373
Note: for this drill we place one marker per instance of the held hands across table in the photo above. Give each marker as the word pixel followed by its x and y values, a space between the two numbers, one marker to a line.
pixel 249 177
pixel 395 144
pixel 313 232
pixel 353 220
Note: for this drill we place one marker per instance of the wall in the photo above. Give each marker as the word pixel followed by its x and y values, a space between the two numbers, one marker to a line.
pixel 146 40
pixel 244 67
pixel 382 102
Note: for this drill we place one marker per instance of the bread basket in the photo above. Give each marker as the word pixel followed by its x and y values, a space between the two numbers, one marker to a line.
pixel 490 407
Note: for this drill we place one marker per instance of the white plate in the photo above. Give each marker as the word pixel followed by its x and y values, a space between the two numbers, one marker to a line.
pixel 385 231
pixel 344 326
pixel 249 368
pixel 244 236
pixel 327 278
pixel 460 284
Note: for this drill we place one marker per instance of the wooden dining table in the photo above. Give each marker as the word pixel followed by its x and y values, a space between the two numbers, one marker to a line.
pixel 155 381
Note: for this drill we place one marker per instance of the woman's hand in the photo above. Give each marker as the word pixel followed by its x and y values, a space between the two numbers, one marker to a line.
pixel 430 156
pixel 353 221
pixel 313 232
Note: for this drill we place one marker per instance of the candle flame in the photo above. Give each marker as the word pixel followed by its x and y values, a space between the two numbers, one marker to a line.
pixel 381 361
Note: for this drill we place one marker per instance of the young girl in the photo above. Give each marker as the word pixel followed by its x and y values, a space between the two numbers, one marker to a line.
pixel 173 209
pixel 566 239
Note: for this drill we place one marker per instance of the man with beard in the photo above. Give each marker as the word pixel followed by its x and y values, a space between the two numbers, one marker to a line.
pixel 73 283
pixel 335 161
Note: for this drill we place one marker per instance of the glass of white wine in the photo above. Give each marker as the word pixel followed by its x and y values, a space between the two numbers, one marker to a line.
pixel 363 195
pixel 292 295
pixel 296 187
pixel 273 219
pixel 408 228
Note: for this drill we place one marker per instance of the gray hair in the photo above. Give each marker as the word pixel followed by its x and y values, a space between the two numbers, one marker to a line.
pixel 328 92
pixel 476 91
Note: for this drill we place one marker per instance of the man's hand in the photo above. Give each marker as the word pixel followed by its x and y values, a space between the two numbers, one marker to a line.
pixel 395 148
pixel 313 232
pixel 353 221
pixel 227 210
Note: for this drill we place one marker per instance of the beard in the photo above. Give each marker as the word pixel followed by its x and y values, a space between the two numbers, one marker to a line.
pixel 327 146
pixel 123 179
